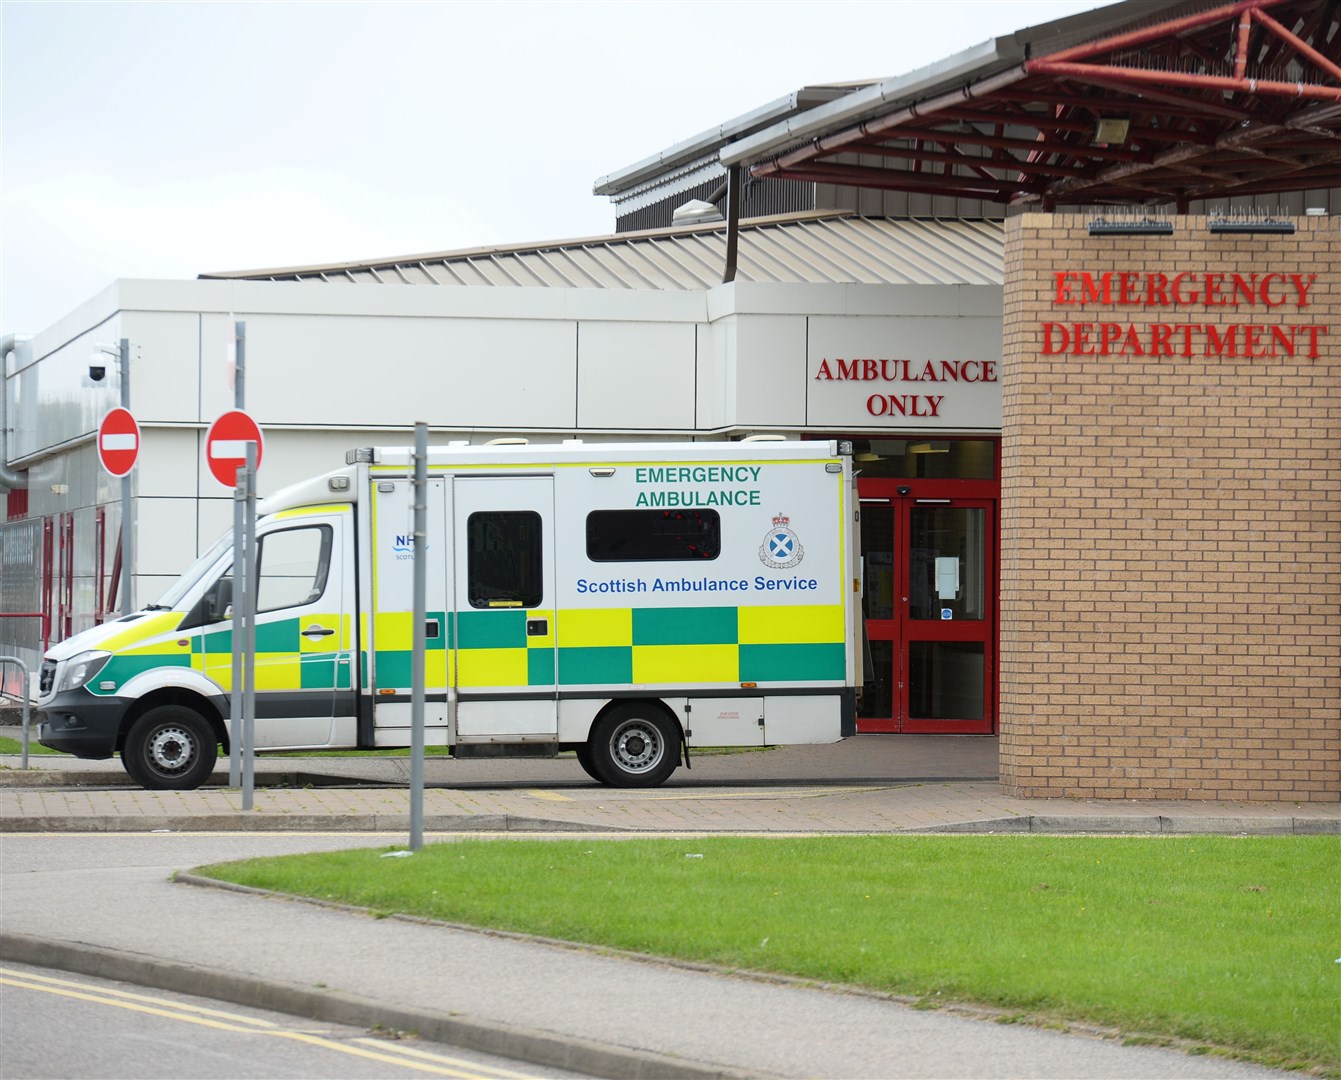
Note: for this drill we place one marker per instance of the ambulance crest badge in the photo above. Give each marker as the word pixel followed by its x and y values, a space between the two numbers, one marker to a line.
pixel 781 547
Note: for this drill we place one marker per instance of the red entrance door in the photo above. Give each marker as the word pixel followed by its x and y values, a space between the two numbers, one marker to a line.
pixel 931 601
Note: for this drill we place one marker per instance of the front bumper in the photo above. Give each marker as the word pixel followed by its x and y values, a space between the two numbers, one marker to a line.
pixel 77 722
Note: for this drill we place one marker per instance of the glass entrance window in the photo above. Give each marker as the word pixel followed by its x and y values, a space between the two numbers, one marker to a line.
pixel 877 552
pixel 945 680
pixel 948 563
pixel 934 459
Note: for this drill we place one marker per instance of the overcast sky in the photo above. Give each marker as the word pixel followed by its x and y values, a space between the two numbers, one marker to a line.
pixel 163 140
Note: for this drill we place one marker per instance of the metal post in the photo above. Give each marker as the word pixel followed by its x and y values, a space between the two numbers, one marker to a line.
pixel 249 635
pixel 732 221
pixel 240 366
pixel 418 639
pixel 239 591
pixel 239 558
pixel 127 516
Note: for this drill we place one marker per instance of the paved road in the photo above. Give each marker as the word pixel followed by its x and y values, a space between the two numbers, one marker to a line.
pixel 61 1025
pixel 646 1018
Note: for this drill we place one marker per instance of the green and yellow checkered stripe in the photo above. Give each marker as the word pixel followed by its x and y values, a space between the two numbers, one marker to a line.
pixel 144 644
pixel 285 659
pixel 616 646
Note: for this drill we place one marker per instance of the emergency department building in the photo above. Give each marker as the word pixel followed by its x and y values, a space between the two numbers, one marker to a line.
pixel 1073 296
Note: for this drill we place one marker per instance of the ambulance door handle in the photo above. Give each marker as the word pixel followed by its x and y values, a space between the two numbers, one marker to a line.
pixel 318 631
pixel 537 627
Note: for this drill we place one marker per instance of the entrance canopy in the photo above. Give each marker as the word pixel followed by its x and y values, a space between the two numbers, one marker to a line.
pixel 1135 103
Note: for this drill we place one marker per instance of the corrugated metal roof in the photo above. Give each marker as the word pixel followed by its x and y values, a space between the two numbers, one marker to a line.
pixel 816 249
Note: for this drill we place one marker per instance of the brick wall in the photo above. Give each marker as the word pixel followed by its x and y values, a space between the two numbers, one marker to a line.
pixel 1171 524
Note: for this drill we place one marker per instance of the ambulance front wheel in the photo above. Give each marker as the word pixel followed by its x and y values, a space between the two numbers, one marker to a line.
pixel 635 745
pixel 170 748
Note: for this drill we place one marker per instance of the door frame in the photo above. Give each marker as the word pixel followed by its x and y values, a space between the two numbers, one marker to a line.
pixel 900 496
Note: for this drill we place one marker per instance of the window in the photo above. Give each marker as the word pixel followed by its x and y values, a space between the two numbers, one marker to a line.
pixel 292 566
pixel 503 559
pixel 653 535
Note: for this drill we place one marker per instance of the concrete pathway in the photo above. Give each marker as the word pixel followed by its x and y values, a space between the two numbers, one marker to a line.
pixel 867 784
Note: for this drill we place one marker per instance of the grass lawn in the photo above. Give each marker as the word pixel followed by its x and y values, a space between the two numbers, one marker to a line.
pixel 1229 942
pixel 15 746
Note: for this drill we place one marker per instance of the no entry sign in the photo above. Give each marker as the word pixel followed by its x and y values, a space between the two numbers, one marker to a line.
pixel 118 442
pixel 226 445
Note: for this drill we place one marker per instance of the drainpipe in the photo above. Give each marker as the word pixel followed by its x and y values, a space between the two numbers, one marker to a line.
pixel 9 478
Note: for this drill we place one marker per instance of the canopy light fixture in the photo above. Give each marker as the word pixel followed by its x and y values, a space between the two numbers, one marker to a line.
pixel 1111 131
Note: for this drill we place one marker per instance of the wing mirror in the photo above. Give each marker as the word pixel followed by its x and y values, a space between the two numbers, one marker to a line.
pixel 219 601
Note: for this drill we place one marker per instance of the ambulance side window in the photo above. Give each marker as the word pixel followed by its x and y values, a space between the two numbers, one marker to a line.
pixel 292 567
pixel 653 535
pixel 504 558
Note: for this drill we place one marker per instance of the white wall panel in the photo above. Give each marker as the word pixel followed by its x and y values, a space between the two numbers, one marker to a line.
pixel 167 463
pixel 163 531
pixel 165 368
pixel 363 371
pixel 635 375
pixel 215 517
pixel 770 370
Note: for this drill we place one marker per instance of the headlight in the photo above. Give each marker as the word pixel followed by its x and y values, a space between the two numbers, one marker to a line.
pixel 79 669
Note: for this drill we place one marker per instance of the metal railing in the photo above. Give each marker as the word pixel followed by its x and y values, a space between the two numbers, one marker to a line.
pixel 27 685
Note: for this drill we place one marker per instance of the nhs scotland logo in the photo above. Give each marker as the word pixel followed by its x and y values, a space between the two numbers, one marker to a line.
pixel 781 547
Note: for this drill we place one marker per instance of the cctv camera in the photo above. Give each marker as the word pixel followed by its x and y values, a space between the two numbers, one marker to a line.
pixel 905 490
pixel 97 372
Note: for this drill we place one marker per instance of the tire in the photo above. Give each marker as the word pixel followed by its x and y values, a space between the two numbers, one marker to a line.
pixel 635 745
pixel 170 748
pixel 588 766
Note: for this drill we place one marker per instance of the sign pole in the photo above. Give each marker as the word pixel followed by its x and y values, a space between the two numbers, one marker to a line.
pixel 419 643
pixel 239 498
pixel 239 593
pixel 249 635
pixel 127 515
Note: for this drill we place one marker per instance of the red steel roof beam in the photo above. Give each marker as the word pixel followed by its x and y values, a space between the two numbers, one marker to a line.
pixel 927 187
pixel 1186 106
pixel 1140 77
pixel 864 176
pixel 825 145
pixel 1051 146
pixel 1096 106
pixel 1302 46
pixel 1241 50
pixel 1154 33
pixel 1009 164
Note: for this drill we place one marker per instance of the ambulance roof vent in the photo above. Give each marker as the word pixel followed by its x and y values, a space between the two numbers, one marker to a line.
pixel 507 442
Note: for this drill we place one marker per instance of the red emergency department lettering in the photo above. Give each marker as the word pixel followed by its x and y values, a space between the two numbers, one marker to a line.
pixel 1129 288
pixel 1236 341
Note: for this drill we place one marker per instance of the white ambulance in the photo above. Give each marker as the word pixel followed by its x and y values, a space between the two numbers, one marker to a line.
pixel 625 601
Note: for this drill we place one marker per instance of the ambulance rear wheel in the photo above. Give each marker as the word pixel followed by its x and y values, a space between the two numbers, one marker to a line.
pixel 634 746
pixel 588 766
pixel 170 748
